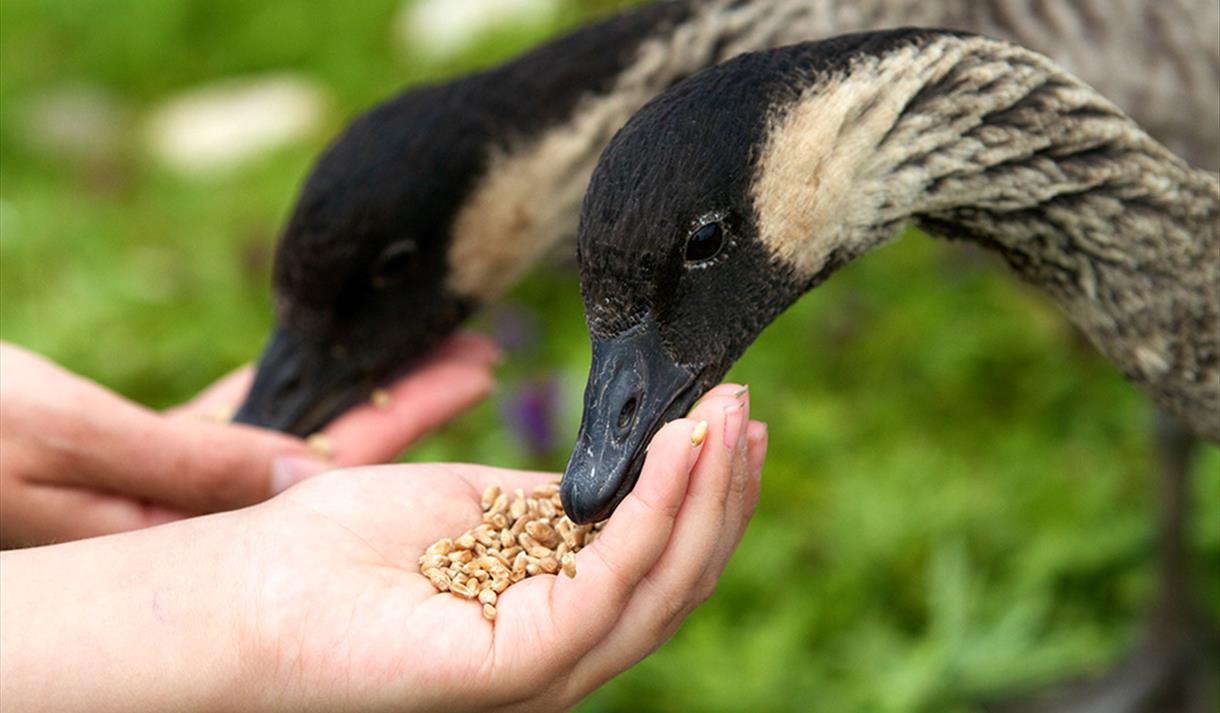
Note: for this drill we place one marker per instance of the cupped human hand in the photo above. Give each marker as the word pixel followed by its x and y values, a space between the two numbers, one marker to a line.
pixel 338 614
pixel 77 460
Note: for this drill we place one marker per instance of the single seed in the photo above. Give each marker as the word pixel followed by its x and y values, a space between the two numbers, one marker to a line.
pixel 220 414
pixel 487 596
pixel 433 561
pixel 321 445
pixel 489 612
pixel 699 433
pixel 439 579
pixel 465 542
pixel 380 399
pixel 482 534
pixel 569 564
pixel 441 547
pixel 542 532
pixel 546 490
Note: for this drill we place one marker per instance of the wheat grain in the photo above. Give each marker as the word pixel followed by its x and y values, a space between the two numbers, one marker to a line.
pixel 521 535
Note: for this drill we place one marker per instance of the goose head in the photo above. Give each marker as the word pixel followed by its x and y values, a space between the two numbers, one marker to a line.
pixel 431 205
pixel 676 278
pixel 360 270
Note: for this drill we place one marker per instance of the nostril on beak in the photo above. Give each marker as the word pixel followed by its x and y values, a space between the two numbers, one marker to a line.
pixel 626 415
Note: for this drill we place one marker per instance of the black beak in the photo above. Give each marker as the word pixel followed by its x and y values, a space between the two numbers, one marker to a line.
pixel 633 390
pixel 300 387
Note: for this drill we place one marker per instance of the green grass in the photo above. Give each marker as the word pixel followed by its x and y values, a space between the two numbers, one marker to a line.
pixel 959 497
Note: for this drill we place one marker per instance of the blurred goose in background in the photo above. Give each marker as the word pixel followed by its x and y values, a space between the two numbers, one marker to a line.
pixel 436 201
pixel 737 191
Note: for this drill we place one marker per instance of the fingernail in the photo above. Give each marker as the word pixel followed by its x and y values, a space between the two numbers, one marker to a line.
pixel 732 425
pixel 763 442
pixel 742 392
pixel 287 471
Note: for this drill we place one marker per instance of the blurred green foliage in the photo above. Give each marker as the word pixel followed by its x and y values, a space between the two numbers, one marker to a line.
pixel 959 498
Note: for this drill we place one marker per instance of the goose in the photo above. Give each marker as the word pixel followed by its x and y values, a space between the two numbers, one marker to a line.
pixel 742 188
pixel 730 196
pixel 434 202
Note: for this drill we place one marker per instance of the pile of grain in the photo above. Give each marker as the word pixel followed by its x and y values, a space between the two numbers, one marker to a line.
pixel 521 536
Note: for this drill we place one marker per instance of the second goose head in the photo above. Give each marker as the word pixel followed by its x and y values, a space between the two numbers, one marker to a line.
pixel 360 270
pixel 427 207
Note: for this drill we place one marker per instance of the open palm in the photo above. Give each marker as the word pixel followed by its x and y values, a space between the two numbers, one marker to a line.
pixel 339 604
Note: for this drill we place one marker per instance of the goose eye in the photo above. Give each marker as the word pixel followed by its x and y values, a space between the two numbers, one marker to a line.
pixel 391 265
pixel 704 243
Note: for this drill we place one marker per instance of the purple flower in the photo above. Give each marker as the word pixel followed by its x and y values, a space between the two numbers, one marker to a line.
pixel 515 328
pixel 531 412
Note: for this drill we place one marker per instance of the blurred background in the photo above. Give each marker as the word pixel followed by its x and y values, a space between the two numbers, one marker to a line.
pixel 960 494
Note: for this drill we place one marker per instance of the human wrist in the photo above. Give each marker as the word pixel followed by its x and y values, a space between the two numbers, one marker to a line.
pixel 143 620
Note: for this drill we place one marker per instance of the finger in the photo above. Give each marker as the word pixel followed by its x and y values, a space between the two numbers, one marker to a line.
pixel 197 466
pixel 738 482
pixel 673 587
pixel 711 486
pixel 453 379
pixel 702 522
pixel 93 439
pixel 739 508
pixel 219 401
pixel 584 609
pixel 50 514
pixel 759 439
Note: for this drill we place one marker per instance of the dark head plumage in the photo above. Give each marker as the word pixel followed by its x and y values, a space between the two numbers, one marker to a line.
pixel 364 269
pixel 360 269
pixel 667 314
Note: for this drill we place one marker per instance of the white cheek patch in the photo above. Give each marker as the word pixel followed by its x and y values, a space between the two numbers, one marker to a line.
pixel 526 202
pixel 844 166
pixel 529 198
pixel 825 180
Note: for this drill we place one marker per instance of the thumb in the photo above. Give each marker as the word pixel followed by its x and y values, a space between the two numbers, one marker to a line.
pixel 287 471
pixel 207 467
pixel 227 466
